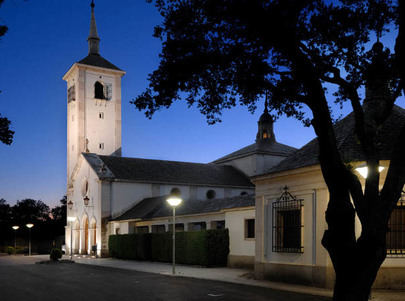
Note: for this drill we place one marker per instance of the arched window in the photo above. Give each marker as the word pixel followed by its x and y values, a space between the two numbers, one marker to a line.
pixel 99 90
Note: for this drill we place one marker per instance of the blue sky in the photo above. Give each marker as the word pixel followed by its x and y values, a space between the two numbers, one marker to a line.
pixel 44 39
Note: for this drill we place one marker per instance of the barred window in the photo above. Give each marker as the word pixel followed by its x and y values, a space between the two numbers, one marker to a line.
pixel 287 224
pixel 396 230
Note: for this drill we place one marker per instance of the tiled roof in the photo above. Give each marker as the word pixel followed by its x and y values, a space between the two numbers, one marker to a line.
pixel 262 147
pixel 347 143
pixel 98 61
pixel 160 171
pixel 157 207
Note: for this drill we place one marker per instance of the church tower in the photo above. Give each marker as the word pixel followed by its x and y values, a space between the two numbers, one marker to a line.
pixel 93 104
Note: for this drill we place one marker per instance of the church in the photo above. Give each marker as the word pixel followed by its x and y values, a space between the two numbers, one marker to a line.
pixel 110 194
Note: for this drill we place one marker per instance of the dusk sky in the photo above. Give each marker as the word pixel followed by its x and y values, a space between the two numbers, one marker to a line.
pixel 44 39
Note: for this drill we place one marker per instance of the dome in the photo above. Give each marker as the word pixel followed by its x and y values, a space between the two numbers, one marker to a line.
pixel 265 117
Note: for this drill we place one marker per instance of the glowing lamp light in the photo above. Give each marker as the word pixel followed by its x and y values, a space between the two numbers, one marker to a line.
pixel 16 227
pixel 174 201
pixel 29 226
pixel 363 170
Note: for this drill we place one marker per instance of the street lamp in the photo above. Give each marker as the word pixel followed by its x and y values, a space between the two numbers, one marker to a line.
pixel 29 226
pixel 71 219
pixel 363 170
pixel 15 228
pixel 174 201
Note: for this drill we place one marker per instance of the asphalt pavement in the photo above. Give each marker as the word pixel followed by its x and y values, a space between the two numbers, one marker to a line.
pixel 22 279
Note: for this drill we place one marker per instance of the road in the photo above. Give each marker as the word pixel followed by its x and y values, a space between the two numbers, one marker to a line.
pixel 22 279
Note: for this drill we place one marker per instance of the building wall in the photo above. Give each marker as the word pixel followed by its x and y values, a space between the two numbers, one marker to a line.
pixel 241 249
pixel 313 266
pixel 91 213
pixel 125 195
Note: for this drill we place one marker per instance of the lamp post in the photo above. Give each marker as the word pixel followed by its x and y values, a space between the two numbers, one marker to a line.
pixel 15 228
pixel 174 201
pixel 71 219
pixel 29 226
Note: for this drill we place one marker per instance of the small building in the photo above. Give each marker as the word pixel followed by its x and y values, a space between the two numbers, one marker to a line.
pixel 291 200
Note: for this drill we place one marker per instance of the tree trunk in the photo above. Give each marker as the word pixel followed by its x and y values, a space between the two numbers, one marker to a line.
pixel 356 263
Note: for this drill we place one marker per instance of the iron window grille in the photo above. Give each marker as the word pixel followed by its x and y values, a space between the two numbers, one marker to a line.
pixel 396 230
pixel 287 224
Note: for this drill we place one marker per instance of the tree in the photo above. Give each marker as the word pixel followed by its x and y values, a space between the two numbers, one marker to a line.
pixel 6 135
pixel 222 52
pixel 30 211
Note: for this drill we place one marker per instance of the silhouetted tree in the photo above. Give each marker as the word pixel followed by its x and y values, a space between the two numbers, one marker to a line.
pixel 30 211
pixel 58 215
pixel 6 135
pixel 222 52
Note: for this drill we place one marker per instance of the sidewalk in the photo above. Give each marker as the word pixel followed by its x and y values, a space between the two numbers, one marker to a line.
pixel 239 276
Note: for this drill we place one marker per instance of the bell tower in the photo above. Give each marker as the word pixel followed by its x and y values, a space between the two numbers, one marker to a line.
pixel 93 104
pixel 265 130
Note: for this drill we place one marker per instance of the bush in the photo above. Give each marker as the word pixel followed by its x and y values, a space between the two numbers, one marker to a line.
pixel 10 250
pixel 207 248
pixel 56 254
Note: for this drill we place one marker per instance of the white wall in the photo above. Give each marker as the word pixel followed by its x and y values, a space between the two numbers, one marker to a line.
pixel 235 222
pixel 125 195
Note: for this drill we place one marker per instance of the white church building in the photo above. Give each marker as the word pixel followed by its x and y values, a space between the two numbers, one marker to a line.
pixel 109 194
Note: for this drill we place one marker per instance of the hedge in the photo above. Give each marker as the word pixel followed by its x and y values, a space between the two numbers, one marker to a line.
pixel 207 248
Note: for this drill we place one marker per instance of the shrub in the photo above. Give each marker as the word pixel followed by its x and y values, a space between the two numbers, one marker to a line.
pixel 10 250
pixel 207 248
pixel 56 254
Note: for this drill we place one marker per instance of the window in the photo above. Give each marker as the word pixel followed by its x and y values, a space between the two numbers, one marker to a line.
pixel 287 224
pixel 102 91
pixel 107 91
pixel 199 226
pixel 265 135
pixel 218 225
pixel 73 117
pixel 396 230
pixel 71 94
pixel 101 146
pixel 211 194
pixel 101 115
pixel 142 229
pixel 179 227
pixel 158 228
pixel 99 90
pixel 85 187
pixel 250 228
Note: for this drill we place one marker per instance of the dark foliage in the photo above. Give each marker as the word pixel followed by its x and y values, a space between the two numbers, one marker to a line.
pixel 55 254
pixel 48 230
pixel 6 135
pixel 208 248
